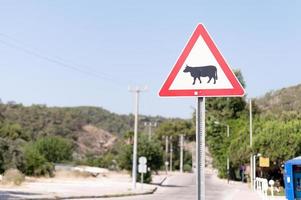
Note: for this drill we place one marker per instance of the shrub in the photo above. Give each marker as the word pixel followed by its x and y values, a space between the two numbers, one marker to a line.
pixel 13 176
pixel 147 177
pixel 187 168
pixel 150 149
pixel 54 148
pixel 36 164
pixel 105 161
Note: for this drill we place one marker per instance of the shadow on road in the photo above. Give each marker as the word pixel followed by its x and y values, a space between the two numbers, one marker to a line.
pixel 8 195
pixel 173 186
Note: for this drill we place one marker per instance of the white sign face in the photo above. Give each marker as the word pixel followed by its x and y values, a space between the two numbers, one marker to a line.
pixel 271 182
pixel 142 160
pixel 200 55
pixel 142 168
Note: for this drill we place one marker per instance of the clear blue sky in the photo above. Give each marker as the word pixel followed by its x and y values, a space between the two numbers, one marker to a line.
pixel 114 44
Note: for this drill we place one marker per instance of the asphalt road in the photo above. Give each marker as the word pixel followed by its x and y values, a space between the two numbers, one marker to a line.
pixel 182 187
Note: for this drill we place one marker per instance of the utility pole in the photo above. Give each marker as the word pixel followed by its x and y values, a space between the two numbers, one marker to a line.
pixel 170 155
pixel 150 125
pixel 181 152
pixel 228 159
pixel 136 91
pixel 251 157
pixel 166 153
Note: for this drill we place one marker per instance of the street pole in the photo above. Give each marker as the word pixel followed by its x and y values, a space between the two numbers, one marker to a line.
pixel 150 125
pixel 149 131
pixel 200 147
pixel 142 181
pixel 170 155
pixel 251 157
pixel 166 153
pixel 134 168
pixel 181 152
pixel 228 157
pixel 137 91
pixel 254 171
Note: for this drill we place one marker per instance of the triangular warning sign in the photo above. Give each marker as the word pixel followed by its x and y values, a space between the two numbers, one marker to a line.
pixel 201 71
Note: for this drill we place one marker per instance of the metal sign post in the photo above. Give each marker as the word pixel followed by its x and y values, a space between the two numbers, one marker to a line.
pixel 199 55
pixel 200 147
pixel 142 168
pixel 181 152
pixel 142 181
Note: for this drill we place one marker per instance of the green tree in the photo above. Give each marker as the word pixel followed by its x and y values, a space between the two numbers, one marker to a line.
pixel 54 148
pixel 151 150
pixel 12 139
pixel 226 111
pixel 175 128
pixel 35 163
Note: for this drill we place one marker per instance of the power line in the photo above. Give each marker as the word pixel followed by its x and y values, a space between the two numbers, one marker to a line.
pixel 59 61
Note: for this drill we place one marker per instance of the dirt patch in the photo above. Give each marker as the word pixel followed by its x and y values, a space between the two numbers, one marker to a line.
pixel 72 174
pixel 92 140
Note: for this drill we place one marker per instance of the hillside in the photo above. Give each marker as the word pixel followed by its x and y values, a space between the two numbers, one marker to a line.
pixel 283 100
pixel 93 140
pixel 92 130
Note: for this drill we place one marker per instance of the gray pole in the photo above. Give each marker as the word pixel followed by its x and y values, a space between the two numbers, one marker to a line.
pixel 200 147
pixel 149 125
pixel 134 168
pixel 228 157
pixel 181 152
pixel 251 157
pixel 254 172
pixel 149 131
pixel 170 155
pixel 166 153
pixel 137 90
pixel 142 181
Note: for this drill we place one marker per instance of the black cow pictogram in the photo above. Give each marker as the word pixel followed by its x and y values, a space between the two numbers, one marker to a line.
pixel 202 71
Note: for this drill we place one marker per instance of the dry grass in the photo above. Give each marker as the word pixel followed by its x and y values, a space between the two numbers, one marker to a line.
pixel 13 176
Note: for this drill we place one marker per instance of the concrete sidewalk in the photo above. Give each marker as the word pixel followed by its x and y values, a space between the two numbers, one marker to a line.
pixel 243 191
pixel 59 188
pixel 233 190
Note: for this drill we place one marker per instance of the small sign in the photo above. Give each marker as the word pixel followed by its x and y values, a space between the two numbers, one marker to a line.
pixel 271 182
pixel 264 162
pixel 142 168
pixel 142 160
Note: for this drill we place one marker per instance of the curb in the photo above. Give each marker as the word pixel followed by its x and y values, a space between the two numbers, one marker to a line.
pixel 110 195
pixel 101 196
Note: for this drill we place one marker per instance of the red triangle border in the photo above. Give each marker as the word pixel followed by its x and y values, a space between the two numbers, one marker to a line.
pixel 237 89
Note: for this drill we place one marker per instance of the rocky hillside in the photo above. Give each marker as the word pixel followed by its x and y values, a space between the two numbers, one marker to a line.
pixel 283 100
pixel 92 130
pixel 93 140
